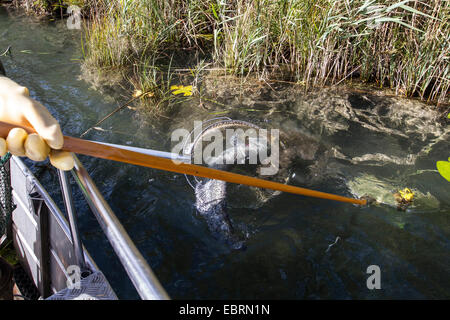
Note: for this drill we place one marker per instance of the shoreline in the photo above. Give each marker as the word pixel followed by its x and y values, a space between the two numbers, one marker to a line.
pixel 145 64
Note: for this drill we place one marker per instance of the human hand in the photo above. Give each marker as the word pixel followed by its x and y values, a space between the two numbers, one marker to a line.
pixel 17 108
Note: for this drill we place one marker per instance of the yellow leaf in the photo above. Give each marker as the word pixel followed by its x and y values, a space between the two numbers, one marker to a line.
pixel 137 93
pixel 406 194
pixel 185 90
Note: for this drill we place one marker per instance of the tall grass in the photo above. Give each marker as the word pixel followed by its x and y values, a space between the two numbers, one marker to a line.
pixel 400 44
pixel 404 45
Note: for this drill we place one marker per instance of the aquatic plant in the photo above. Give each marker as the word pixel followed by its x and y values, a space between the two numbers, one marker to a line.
pixel 400 44
pixel 49 7
pixel 444 169
pixel 180 89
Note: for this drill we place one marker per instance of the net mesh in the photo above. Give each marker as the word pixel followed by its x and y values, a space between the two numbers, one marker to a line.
pixel 6 203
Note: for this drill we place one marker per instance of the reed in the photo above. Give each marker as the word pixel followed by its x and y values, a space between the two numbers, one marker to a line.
pixel 403 45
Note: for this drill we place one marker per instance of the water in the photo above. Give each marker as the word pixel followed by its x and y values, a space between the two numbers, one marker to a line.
pixel 343 141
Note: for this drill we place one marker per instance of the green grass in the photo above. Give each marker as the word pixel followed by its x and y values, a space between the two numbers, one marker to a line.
pixel 55 8
pixel 402 45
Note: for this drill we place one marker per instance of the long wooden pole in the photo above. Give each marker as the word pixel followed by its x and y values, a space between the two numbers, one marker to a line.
pixel 108 152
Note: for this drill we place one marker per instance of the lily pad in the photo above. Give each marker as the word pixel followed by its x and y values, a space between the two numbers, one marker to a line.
pixel 444 169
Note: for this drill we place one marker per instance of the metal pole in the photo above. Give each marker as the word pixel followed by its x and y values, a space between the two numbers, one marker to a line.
pixel 151 152
pixel 73 221
pixel 140 273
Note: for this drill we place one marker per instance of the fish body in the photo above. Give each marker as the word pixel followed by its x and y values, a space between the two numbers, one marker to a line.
pixel 211 204
pixel 211 194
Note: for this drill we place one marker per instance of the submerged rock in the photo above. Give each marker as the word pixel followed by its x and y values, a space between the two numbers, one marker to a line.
pixel 385 192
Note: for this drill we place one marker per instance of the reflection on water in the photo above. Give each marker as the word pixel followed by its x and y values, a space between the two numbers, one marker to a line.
pixel 343 141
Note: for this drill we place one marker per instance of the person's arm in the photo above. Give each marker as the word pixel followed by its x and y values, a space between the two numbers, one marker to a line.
pixel 16 107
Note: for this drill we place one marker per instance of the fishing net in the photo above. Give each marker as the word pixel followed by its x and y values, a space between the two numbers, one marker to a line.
pixel 234 157
pixel 6 203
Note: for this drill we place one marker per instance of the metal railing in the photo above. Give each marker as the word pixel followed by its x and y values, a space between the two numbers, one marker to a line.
pixel 43 237
pixel 137 268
